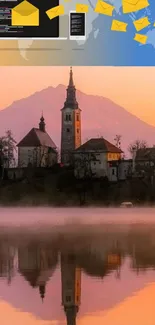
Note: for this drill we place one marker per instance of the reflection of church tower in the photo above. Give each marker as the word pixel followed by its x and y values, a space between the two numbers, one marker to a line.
pixel 42 288
pixel 71 288
pixel 37 265
pixel 70 124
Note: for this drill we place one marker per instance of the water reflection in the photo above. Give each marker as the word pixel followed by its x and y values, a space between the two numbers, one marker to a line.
pixel 67 260
pixel 36 263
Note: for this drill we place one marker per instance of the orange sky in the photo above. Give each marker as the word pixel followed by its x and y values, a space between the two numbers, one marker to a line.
pixel 138 309
pixel 10 316
pixel 131 87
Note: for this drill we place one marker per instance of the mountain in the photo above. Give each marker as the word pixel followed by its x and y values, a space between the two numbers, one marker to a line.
pixel 100 117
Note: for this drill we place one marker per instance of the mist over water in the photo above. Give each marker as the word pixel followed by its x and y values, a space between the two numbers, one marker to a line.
pixel 16 217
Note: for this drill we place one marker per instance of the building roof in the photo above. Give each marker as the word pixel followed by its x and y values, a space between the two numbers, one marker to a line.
pixel 37 138
pixel 145 154
pixel 98 144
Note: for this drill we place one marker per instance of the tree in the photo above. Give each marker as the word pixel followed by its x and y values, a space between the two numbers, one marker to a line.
pixel 117 140
pixel 7 149
pixel 83 165
pixel 84 174
pixel 136 145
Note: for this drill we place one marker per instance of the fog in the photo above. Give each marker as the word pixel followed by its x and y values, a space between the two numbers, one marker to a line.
pixel 34 217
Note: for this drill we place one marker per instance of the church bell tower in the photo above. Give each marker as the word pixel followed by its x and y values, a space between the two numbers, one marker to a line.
pixel 70 124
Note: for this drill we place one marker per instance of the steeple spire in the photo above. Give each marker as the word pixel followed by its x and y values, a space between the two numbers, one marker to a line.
pixel 42 124
pixel 71 101
pixel 71 83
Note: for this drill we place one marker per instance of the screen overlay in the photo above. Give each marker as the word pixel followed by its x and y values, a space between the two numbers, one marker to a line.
pixel 34 14
pixel 77 24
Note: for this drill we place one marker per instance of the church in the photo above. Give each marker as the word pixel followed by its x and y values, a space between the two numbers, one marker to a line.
pixel 70 124
pixel 38 149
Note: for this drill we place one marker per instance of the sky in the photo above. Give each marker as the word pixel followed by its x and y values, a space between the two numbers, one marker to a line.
pixel 137 309
pixel 131 87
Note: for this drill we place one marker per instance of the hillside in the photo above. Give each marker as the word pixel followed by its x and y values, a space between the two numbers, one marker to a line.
pixel 100 117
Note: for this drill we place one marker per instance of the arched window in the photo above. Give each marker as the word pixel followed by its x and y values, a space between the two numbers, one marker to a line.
pixel 66 117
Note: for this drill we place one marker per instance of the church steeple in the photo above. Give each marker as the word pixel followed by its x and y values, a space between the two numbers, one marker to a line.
pixel 70 124
pixel 42 124
pixel 71 82
pixel 71 101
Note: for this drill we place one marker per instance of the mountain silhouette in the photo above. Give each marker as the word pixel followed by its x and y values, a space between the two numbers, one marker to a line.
pixel 100 117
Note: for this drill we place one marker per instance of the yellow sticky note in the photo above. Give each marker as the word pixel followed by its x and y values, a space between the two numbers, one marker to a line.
pixel 134 5
pixel 141 23
pixel 25 14
pixel 141 38
pixel 104 8
pixel 55 11
pixel 118 26
pixel 82 7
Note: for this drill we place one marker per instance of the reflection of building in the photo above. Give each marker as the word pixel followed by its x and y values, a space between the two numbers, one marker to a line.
pixel 100 262
pixel 7 256
pixel 71 287
pixel 37 265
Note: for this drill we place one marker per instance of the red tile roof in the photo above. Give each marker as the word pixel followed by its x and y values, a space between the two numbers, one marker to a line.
pixel 99 144
pixel 37 138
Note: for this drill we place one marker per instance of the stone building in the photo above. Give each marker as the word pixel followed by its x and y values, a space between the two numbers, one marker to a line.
pixel 37 148
pixel 70 124
pixel 93 157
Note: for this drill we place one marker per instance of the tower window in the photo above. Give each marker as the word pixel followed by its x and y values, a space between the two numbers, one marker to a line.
pixel 68 130
pixel 68 298
pixel 77 117
pixel 69 117
pixel 77 130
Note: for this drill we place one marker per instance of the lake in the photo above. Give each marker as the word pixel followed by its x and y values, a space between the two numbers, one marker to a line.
pixel 77 266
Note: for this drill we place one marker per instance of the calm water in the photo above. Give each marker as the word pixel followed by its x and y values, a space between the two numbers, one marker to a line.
pixel 77 266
